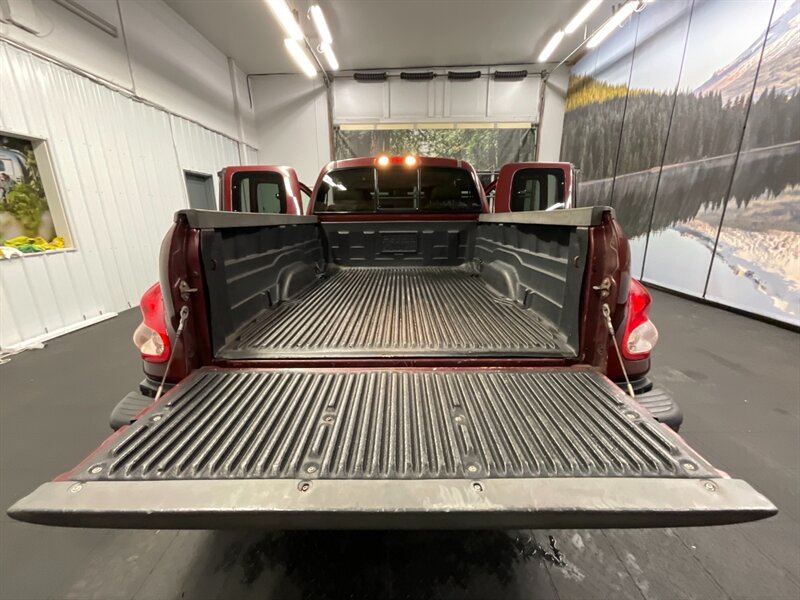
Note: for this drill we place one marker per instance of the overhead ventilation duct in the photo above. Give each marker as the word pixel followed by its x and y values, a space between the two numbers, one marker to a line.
pixel 510 75
pixel 369 77
pixel 463 75
pixel 417 76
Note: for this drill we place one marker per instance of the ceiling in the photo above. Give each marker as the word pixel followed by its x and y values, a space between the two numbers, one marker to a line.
pixel 393 33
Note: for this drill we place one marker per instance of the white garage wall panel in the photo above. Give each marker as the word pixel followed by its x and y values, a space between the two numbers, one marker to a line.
pixel 358 102
pixel 438 100
pixel 292 118
pixel 405 101
pixel 244 105
pixel 250 155
pixel 203 151
pixel 76 41
pixel 119 169
pixel 156 55
pixel 176 67
pixel 555 96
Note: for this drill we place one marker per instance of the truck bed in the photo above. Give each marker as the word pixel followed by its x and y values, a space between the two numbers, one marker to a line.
pixel 258 444
pixel 291 288
pixel 393 448
pixel 391 311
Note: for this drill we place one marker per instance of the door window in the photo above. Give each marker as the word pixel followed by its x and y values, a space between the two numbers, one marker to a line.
pixel 537 189
pixel 258 192
pixel 268 197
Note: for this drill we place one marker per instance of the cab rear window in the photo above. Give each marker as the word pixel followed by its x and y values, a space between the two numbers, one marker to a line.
pixel 397 189
pixel 258 192
pixel 537 189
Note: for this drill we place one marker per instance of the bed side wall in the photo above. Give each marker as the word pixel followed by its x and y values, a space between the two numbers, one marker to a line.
pixel 540 266
pixel 250 269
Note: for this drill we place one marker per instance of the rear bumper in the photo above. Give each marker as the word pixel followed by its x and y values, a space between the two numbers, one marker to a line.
pixel 130 407
pixel 662 406
pixel 369 504
pixel 658 401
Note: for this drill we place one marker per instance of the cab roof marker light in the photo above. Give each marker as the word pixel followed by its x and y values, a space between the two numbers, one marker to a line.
pixel 330 57
pixel 410 161
pixel 551 46
pixel 383 161
pixel 321 25
pixel 625 11
pixel 583 14
pixel 300 57
pixel 286 19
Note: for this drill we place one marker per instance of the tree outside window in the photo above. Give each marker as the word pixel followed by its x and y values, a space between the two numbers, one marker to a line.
pixel 28 222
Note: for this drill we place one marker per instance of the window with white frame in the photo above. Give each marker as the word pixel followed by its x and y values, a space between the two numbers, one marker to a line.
pixel 32 218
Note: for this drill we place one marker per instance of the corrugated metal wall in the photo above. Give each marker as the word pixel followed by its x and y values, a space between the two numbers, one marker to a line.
pixel 119 164
pixel 201 150
pixel 250 155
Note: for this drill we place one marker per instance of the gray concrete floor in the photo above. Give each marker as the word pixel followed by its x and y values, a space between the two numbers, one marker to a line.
pixel 737 380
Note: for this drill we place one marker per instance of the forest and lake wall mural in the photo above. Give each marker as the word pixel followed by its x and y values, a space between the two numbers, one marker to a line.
pixel 687 122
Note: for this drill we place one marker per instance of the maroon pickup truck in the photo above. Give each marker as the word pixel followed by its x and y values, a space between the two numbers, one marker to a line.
pixel 399 357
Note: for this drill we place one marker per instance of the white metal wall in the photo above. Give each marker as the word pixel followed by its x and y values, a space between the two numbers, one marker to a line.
pixel 250 155
pixel 203 151
pixel 119 164
pixel 555 96
pixel 292 122
pixel 183 72
pixel 438 100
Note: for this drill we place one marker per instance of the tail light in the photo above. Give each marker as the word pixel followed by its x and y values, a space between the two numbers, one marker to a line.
pixel 640 335
pixel 151 336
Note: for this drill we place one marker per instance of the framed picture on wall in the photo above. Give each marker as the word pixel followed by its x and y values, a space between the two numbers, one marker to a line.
pixel 32 218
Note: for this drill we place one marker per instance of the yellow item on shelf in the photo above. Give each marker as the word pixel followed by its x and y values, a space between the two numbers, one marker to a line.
pixel 34 244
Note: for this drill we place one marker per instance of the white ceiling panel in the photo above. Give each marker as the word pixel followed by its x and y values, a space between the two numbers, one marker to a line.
pixel 393 33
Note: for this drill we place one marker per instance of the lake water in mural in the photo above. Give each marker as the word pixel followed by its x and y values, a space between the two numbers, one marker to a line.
pixel 709 211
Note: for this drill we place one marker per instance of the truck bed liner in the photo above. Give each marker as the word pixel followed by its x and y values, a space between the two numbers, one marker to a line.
pixel 389 424
pixel 393 448
pixel 398 311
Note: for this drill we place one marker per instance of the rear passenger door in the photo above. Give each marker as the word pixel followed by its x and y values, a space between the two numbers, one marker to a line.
pixel 262 189
pixel 534 186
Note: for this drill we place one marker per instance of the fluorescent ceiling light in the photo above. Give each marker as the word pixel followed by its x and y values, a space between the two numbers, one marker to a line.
pixel 285 17
pixel 622 13
pixel 551 46
pixel 582 15
pixel 327 52
pixel 321 24
pixel 300 57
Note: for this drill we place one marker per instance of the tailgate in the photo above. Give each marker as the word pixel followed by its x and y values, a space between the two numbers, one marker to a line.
pixel 394 449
